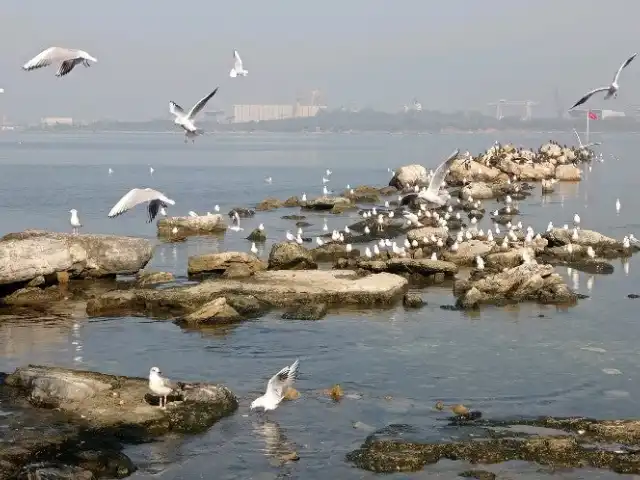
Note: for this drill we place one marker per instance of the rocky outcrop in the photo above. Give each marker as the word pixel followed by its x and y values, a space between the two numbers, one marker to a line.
pixel 34 253
pixel 82 417
pixel 278 288
pixel 215 312
pixel 474 171
pixel 568 173
pixel 526 282
pixel 257 235
pixel 555 443
pixel 290 256
pixel 269 204
pixel 327 202
pixel 154 278
pixel 188 226
pixel 409 176
pixel 230 264
pixel 330 252
pixel 425 232
pixel 410 266
pixel 467 252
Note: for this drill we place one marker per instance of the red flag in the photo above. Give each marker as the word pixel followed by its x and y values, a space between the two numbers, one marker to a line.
pixel 592 115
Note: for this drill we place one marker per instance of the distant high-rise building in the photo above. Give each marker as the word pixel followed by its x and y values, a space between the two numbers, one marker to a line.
pixel 260 113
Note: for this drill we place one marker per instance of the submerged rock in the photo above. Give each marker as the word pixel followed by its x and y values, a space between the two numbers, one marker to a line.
pixel 31 254
pixel 154 278
pixel 277 288
pixel 327 202
pixel 314 311
pixel 187 226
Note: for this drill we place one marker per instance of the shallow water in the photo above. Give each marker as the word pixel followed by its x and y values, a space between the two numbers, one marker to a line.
pixel 392 364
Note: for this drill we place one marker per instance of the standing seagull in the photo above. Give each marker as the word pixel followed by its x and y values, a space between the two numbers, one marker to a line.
pixel 237 69
pixel 276 388
pixel 159 385
pixel 432 193
pixel 185 120
pixel 136 196
pixel 612 90
pixel 74 220
pixel 67 57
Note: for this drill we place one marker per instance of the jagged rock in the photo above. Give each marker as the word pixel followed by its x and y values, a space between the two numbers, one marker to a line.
pixel 290 256
pixel 153 278
pixel 412 300
pixel 35 253
pixel 292 202
pixel 409 176
pixel 219 263
pixel 187 226
pixel 277 288
pixel 257 235
pixel 269 204
pixel 315 311
pixel 215 312
pixel 330 252
pixel 327 202
pixel 527 282
pixel 242 212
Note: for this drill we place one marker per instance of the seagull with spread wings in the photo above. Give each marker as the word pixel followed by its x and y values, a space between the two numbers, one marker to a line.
pixel 276 388
pixel 185 120
pixel 612 90
pixel 238 69
pixel 136 196
pixel 586 145
pixel 432 193
pixel 67 58
pixel 160 385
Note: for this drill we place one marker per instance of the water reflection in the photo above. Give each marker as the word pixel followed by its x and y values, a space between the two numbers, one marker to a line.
pixel 276 446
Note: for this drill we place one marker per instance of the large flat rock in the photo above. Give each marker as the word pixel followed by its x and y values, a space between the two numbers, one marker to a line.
pixel 33 253
pixel 279 288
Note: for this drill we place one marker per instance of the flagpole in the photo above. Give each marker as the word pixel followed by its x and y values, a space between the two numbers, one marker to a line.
pixel 588 118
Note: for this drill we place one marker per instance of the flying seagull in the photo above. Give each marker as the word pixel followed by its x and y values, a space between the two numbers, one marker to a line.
pixel 136 196
pixel 432 193
pixel 276 388
pixel 586 145
pixel 185 120
pixel 612 90
pixel 237 69
pixel 160 385
pixel 66 57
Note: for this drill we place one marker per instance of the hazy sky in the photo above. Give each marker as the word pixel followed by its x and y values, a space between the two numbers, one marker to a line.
pixel 454 54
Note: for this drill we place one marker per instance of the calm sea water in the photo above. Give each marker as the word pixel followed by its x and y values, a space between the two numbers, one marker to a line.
pixel 393 365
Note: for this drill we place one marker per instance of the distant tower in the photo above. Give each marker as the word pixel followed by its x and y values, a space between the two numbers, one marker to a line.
pixel 558 102
pixel 315 94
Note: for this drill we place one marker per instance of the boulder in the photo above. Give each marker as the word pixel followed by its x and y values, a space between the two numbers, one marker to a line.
pixel 309 311
pixel 290 256
pixel 410 266
pixel 419 233
pixel 269 204
pixel 568 173
pixel 257 235
pixel 412 300
pixel 291 202
pixel 215 312
pixel 330 252
pixel 219 263
pixel 200 225
pixel 276 288
pixel 560 236
pixel 477 172
pixel 327 202
pixel 409 176
pixel 467 252
pixel 478 191
pixel 526 282
pixel 34 253
pixel 154 278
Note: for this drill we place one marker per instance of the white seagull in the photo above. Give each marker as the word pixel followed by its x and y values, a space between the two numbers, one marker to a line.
pixel 67 57
pixel 612 90
pixel 159 385
pixel 276 388
pixel 236 222
pixel 237 69
pixel 136 196
pixel 185 120
pixel 74 220
pixel 432 194
pixel 586 145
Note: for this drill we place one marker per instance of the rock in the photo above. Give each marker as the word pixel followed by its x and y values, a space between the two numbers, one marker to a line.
pixel 327 202
pixel 411 266
pixel 526 282
pixel 242 212
pixel 292 202
pixel 187 226
pixel 215 312
pixel 412 300
pixel 478 191
pixel 419 233
pixel 467 252
pixel 56 471
pixel 269 204
pixel 257 235
pixel 314 311
pixel 277 288
pixel 34 253
pixel 33 296
pixel 153 278
pixel 409 176
pixel 246 305
pixel 527 171
pixel 477 172
pixel 219 263
pixel 560 237
pixel 568 173
pixel 509 259
pixel 363 194
pixel 330 252
pixel 293 217
pixel 478 474
pixel 115 402
pixel 290 256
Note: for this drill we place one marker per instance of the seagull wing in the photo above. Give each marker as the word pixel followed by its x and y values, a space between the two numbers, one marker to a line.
pixel 200 105
pixel 441 172
pixel 627 62
pixel 284 378
pixel 578 136
pixel 238 63
pixel 176 109
pixel 67 65
pixel 135 197
pixel 588 96
pixel 154 208
pixel 166 382
pixel 48 56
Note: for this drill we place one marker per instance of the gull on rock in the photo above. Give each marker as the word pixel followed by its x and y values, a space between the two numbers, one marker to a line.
pixel 276 388
pixel 160 385
pixel 238 69
pixel 186 119
pixel 74 221
pixel 66 57
pixel 136 196
pixel 432 193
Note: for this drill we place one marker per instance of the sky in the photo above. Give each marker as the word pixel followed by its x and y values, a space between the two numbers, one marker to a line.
pixel 451 55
